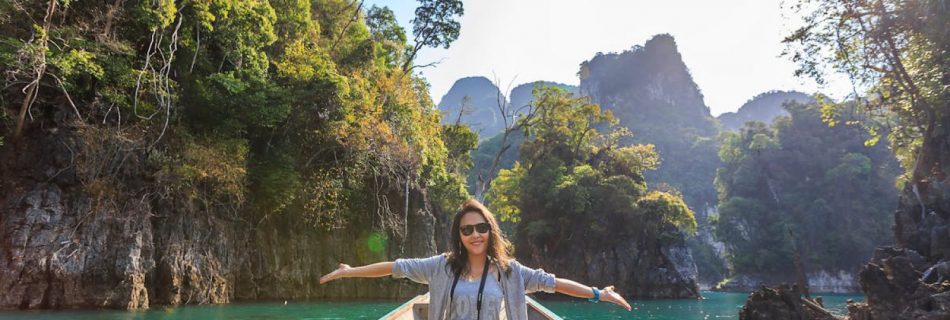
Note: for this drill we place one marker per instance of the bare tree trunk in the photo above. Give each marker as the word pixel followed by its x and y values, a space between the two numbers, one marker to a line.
pixel 110 15
pixel 30 91
pixel 32 88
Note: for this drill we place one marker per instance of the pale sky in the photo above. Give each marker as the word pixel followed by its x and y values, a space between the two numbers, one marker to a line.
pixel 732 47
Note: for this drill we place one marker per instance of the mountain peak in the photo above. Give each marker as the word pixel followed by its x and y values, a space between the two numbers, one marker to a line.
pixel 649 82
pixel 764 107
pixel 662 44
pixel 479 97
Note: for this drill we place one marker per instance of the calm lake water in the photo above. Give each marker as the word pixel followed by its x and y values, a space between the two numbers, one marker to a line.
pixel 717 305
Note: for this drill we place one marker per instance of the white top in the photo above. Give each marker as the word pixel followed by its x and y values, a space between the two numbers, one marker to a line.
pixel 464 305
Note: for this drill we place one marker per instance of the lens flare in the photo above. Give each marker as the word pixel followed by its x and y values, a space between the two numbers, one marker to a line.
pixel 376 242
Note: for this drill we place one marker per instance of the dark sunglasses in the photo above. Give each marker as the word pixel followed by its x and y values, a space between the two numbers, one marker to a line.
pixel 481 227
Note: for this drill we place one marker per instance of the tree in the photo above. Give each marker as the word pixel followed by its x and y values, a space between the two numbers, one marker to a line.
pixel 515 119
pixel 572 170
pixel 792 186
pixel 387 31
pixel 579 199
pixel 897 55
pixel 434 26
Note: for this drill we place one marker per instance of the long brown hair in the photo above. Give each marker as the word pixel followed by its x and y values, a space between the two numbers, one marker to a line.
pixel 498 246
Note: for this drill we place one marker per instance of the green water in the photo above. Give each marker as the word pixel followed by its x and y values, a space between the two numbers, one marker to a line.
pixel 717 305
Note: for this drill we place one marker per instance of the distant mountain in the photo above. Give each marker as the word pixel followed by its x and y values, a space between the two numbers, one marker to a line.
pixel 481 110
pixel 648 87
pixel 650 90
pixel 480 107
pixel 763 108
pixel 483 156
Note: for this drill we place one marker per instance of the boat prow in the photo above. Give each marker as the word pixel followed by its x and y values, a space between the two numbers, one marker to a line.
pixel 418 309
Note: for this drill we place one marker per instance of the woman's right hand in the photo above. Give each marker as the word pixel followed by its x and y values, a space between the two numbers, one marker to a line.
pixel 336 274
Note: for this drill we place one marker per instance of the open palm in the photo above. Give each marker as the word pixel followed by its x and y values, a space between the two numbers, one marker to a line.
pixel 336 274
pixel 609 295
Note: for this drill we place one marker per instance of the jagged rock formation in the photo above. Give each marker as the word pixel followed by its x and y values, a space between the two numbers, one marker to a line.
pixel 901 284
pixel 640 267
pixel 71 238
pixel 650 90
pixel 762 108
pixel 783 302
pixel 479 99
pixel 911 280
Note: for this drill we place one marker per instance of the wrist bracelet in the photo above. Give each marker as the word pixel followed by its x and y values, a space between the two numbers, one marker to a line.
pixel 596 297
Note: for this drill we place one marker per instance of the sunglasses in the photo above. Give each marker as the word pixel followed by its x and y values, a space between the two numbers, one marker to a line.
pixel 481 227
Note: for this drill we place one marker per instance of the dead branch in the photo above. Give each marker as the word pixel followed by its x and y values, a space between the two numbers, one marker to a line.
pixel 356 16
pixel 70 99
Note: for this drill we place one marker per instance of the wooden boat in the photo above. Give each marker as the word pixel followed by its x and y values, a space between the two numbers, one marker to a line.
pixel 418 309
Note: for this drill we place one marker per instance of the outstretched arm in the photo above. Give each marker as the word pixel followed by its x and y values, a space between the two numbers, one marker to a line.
pixel 574 289
pixel 376 270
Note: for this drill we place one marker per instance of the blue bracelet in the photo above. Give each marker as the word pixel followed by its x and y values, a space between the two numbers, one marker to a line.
pixel 596 295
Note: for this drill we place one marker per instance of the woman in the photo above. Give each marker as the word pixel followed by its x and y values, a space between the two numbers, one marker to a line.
pixel 458 287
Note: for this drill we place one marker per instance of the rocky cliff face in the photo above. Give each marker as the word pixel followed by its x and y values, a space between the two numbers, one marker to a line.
pixel 87 228
pixel 911 280
pixel 650 90
pixel 638 267
pixel 648 87
pixel 783 302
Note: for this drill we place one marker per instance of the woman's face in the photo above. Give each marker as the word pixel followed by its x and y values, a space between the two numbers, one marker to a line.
pixel 475 243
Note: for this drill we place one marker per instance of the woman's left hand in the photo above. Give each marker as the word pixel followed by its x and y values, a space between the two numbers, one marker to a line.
pixel 608 294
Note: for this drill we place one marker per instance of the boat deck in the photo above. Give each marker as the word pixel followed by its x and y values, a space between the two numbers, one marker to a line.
pixel 418 309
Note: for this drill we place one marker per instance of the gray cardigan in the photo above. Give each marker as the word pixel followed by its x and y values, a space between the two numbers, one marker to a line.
pixel 436 272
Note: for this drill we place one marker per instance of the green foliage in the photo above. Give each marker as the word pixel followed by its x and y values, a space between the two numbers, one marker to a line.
pixel 275 182
pixel 282 107
pixel 762 142
pixel 383 25
pixel 157 14
pixel 449 188
pixel 574 180
pixel 671 208
pixel 630 160
pixel 459 141
pixel 799 183
pixel 895 54
pixel 486 152
pixel 504 203
pixel 676 122
pixel 387 32
pixel 434 26
pixel 77 62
